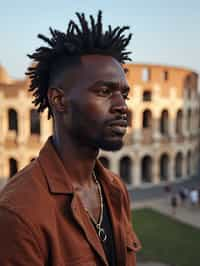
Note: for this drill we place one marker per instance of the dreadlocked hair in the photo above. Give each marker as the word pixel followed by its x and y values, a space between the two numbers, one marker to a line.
pixel 78 40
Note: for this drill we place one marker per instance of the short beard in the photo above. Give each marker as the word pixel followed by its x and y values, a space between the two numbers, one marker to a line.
pixel 78 131
pixel 108 145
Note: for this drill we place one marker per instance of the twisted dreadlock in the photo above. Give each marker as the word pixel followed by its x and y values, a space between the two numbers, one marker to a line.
pixel 77 41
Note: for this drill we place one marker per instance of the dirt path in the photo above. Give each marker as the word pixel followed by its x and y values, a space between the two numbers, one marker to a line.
pixel 151 264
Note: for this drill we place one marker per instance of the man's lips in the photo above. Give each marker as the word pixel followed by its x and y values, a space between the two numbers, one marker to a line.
pixel 120 123
pixel 118 127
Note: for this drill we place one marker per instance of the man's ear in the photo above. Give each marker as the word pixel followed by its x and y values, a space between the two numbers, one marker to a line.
pixel 56 99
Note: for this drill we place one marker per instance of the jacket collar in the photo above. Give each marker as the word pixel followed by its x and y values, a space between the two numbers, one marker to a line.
pixel 58 179
pixel 55 173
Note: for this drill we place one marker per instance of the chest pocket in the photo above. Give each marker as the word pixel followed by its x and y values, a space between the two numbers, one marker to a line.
pixel 132 242
pixel 133 245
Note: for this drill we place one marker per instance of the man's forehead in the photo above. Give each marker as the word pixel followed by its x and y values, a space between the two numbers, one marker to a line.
pixel 100 63
pixel 98 67
pixel 93 68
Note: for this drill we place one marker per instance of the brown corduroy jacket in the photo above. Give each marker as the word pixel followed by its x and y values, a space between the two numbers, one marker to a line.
pixel 43 223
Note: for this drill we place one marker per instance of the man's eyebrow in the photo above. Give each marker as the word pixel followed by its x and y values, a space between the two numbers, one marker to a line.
pixel 111 84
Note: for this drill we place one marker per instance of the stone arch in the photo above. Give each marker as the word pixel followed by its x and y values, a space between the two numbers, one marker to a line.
pixel 13 166
pixel 188 86
pixel 194 162
pixel 165 75
pixel 147 95
pixel 189 119
pixel 195 119
pixel 147 168
pixel 164 122
pixel 164 167
pixel 126 169
pixel 146 74
pixel 105 161
pixel 12 119
pixel 179 122
pixel 130 118
pixel 197 158
pixel 179 165
pixel 188 163
pixel 35 122
pixel 147 119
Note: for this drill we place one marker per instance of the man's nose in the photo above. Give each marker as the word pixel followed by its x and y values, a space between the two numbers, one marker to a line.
pixel 119 104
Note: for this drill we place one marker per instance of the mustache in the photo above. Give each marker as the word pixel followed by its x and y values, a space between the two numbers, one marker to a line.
pixel 120 120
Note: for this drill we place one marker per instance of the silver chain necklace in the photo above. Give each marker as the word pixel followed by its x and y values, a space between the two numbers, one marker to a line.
pixel 101 233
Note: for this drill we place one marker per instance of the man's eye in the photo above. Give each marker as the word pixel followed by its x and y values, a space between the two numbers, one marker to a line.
pixel 125 96
pixel 105 91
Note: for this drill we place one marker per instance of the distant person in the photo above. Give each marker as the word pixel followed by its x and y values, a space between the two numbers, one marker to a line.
pixel 194 196
pixel 174 203
pixel 183 193
pixel 167 188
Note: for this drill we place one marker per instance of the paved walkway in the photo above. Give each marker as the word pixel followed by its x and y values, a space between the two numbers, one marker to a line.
pixel 187 214
pixel 151 264
pixel 150 191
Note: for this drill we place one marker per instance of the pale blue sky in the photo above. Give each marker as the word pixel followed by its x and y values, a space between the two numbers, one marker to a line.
pixel 165 32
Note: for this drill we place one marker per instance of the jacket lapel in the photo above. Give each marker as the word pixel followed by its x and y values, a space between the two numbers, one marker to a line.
pixel 84 222
pixel 114 200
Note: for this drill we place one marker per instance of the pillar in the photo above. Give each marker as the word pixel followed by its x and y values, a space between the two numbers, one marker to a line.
pixel 155 170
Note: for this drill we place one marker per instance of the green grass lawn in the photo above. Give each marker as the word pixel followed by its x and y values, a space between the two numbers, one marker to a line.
pixel 166 240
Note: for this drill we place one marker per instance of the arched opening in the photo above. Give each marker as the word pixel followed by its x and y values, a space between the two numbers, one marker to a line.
pixel 179 165
pixel 13 167
pixel 165 75
pixel 188 86
pixel 189 93
pixel 189 119
pixel 197 159
pixel 146 74
pixel 146 169
pixel 179 122
pixel 194 119
pixel 104 160
pixel 193 163
pixel 125 169
pixel 189 163
pixel 35 122
pixel 147 96
pixel 164 123
pixel 164 167
pixel 12 120
pixel 147 119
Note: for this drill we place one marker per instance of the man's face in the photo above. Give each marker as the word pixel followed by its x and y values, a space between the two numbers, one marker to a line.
pixel 96 111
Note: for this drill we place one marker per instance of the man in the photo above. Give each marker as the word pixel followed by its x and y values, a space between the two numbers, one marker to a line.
pixel 65 208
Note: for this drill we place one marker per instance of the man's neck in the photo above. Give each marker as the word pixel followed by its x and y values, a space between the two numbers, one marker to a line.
pixel 79 161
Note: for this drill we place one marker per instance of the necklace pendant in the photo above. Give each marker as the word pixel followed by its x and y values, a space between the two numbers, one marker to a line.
pixel 101 233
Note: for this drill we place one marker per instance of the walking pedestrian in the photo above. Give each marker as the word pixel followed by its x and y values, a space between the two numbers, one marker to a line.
pixel 174 203
pixel 194 197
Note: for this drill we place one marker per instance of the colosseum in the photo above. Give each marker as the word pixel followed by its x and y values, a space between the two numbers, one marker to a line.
pixel 162 141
